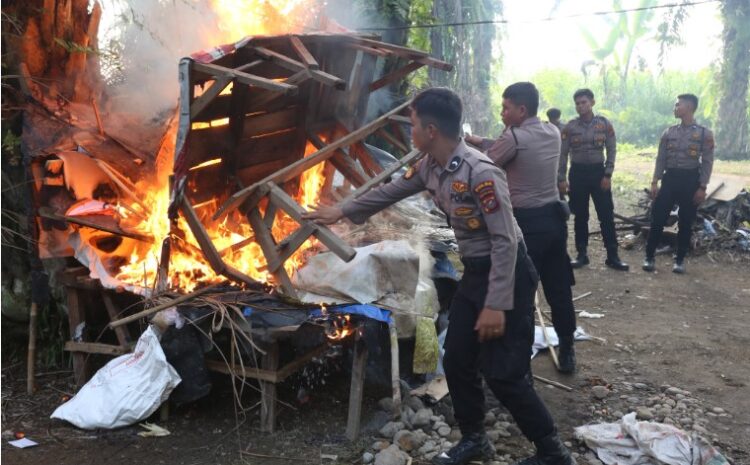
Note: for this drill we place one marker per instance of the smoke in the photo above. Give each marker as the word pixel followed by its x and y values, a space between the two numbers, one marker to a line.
pixel 145 40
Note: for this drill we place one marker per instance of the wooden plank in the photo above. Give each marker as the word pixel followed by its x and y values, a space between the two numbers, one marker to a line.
pixel 372 168
pixel 76 316
pixel 45 212
pixel 349 168
pixel 303 53
pixel 270 362
pixel 356 389
pixel 395 376
pixel 267 148
pixel 290 244
pixel 80 348
pixel 268 245
pixel 292 367
pixel 370 50
pixel 405 51
pixel 343 250
pixel 200 104
pixel 385 174
pixel 392 140
pixel 295 169
pixel 250 65
pixel 221 366
pixel 244 78
pixel 400 119
pixel 123 336
pixel 295 66
pixel 395 75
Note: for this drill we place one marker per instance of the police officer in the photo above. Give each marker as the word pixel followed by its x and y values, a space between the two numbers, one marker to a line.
pixel 683 164
pixel 553 116
pixel 529 152
pixel 585 138
pixel 491 316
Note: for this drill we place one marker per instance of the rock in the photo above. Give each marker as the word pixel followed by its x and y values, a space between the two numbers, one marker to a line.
pixel 514 430
pixel 672 391
pixel 427 447
pixel 379 445
pixel 700 430
pixel 503 433
pixel 391 428
pixel 437 425
pixel 421 418
pixel 489 418
pixel 640 386
pixel 367 457
pixel 644 413
pixel 634 400
pixel 670 402
pixel 617 414
pixel 392 455
pixel 600 392
pixel 718 410
pixel 455 435
pixel 415 403
pixel 568 444
pixel 444 431
pixel 408 441
pixel 386 404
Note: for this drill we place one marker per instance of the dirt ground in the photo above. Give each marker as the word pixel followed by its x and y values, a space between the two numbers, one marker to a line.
pixel 690 332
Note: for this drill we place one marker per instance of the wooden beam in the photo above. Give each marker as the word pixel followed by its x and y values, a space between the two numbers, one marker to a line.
pixel 392 140
pixel 370 166
pixel 200 104
pixel 268 245
pixel 343 250
pixel 123 336
pixel 298 167
pixel 45 212
pixel 247 66
pixel 303 53
pixel 400 119
pixel 270 362
pixel 290 244
pixel 356 388
pixel 244 78
pixel 406 51
pixel 94 348
pixel 370 50
pixel 296 66
pixel 278 376
pixel 343 162
pixel 412 156
pixel 395 75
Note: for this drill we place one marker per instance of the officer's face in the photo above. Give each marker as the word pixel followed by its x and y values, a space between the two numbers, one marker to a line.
pixel 682 108
pixel 513 115
pixel 421 136
pixel 584 105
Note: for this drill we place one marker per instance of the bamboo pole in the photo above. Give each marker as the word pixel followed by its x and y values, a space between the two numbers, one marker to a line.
pixel 31 357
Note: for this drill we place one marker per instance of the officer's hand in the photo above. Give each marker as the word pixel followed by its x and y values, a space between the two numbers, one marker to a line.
pixel 490 324
pixel 562 186
pixel 700 196
pixel 473 140
pixel 654 190
pixel 606 183
pixel 324 214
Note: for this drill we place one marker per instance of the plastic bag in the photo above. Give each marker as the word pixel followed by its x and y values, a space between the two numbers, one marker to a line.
pixel 126 390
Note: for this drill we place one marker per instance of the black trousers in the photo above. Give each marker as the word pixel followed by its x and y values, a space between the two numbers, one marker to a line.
pixel 545 233
pixel 505 362
pixel 585 182
pixel 677 187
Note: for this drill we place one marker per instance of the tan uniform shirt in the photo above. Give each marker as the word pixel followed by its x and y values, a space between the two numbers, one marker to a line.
pixel 473 193
pixel 585 142
pixel 686 147
pixel 530 155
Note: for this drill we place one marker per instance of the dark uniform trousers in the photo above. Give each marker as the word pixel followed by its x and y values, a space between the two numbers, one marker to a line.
pixel 677 186
pixel 545 233
pixel 504 362
pixel 585 182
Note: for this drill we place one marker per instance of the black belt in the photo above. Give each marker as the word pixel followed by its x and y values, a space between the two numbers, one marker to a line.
pixel 682 172
pixel 483 264
pixel 592 167
pixel 529 213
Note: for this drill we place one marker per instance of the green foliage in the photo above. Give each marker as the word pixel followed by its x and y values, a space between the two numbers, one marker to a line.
pixel 72 47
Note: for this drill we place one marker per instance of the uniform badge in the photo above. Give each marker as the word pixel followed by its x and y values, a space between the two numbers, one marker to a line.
pixel 459 187
pixel 696 136
pixel 564 135
pixel 693 153
pixel 463 211
pixel 409 173
pixel 599 127
pixel 486 193
pixel 473 223
pixel 454 163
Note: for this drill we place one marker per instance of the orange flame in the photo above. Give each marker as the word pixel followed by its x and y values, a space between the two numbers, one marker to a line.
pixel 341 327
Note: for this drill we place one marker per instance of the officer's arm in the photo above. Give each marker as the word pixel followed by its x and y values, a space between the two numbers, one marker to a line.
pixel 611 145
pixel 707 158
pixel 359 209
pixel 503 150
pixel 562 170
pixel 490 191
pixel 661 159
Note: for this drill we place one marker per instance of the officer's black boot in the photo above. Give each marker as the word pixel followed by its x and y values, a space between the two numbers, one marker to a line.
pixel 613 260
pixel 567 355
pixel 474 446
pixel 549 451
pixel 581 260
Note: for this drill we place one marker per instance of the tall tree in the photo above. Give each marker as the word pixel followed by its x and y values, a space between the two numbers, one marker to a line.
pixel 732 133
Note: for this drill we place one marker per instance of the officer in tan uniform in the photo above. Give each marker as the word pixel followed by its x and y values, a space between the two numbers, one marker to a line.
pixel 683 165
pixel 491 317
pixel 585 139
pixel 553 116
pixel 529 152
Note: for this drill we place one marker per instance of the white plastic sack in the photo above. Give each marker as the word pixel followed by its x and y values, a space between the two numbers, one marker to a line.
pixel 631 442
pixel 125 391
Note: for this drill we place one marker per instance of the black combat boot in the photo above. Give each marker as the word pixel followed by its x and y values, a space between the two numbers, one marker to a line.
pixel 613 260
pixel 474 446
pixel 567 355
pixel 581 260
pixel 549 451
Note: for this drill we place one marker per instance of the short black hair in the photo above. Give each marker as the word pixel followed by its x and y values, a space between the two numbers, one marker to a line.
pixel 523 93
pixel 442 107
pixel 583 93
pixel 553 113
pixel 689 98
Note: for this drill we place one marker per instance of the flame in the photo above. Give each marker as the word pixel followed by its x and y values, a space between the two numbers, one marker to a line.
pixel 340 327
pixel 187 266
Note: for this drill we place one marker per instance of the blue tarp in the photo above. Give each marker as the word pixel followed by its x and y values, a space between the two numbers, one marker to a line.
pixel 366 310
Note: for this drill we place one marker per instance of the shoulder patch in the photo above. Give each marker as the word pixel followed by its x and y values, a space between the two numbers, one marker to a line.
pixel 487 197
